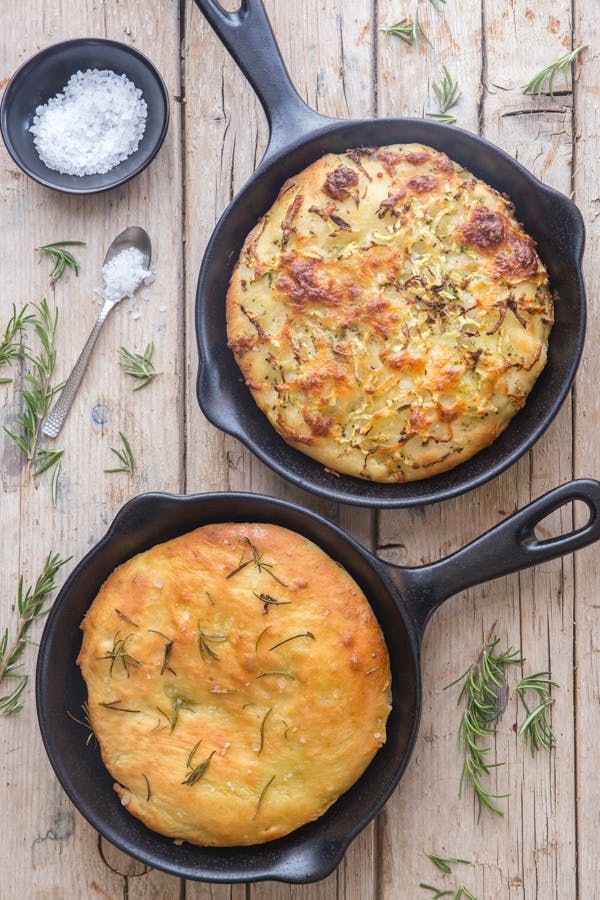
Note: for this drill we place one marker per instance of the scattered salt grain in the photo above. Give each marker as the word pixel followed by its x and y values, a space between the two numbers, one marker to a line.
pixel 96 122
pixel 124 273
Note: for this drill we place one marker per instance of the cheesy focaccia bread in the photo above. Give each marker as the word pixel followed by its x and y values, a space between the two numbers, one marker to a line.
pixel 388 312
pixel 238 683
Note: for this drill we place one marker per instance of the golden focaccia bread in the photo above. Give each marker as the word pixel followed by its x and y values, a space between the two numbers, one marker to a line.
pixel 388 313
pixel 238 683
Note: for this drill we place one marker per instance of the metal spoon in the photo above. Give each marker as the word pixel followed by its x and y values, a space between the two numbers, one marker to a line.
pixel 135 236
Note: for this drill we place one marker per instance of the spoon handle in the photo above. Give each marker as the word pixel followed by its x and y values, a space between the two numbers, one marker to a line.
pixel 55 420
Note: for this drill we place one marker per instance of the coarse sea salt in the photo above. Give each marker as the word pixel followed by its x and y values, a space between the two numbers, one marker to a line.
pixel 96 122
pixel 124 273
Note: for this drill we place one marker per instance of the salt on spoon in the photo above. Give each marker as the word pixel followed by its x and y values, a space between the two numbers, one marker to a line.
pixel 126 266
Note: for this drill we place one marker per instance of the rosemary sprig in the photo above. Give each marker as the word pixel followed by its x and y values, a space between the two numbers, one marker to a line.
pixel 408 30
pixel 85 722
pixel 11 341
pixel 543 81
pixel 256 559
pixel 120 652
pixel 447 93
pixel 536 727
pixel 197 773
pixel 125 455
pixel 61 258
pixel 30 606
pixel 204 641
pixel 437 4
pixel 485 691
pixel 139 366
pixel 37 391
pixel 443 862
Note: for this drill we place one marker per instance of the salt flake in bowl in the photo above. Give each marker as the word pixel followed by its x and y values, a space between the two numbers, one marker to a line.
pixel 95 123
pixel 85 115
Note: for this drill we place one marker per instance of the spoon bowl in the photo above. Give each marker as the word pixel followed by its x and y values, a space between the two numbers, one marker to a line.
pixel 134 237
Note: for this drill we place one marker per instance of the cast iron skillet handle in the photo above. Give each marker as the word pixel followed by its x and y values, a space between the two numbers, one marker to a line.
pixel 249 38
pixel 508 547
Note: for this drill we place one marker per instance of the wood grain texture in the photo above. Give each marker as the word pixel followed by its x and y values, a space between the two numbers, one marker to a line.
pixel 343 65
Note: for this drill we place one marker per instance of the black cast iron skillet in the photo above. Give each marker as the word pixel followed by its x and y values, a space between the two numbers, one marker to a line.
pixel 298 136
pixel 402 599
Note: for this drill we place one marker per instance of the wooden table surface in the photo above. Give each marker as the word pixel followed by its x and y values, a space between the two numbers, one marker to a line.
pixel 545 845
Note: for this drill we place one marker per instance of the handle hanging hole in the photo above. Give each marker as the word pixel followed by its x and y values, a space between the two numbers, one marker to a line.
pixel 568 519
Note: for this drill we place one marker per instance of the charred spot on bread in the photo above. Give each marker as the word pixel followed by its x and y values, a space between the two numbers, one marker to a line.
pixel 339 181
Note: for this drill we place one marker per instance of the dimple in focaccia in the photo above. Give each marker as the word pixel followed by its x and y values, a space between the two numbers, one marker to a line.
pixel 389 313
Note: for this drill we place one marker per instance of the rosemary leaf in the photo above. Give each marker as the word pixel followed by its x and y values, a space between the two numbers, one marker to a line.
pixel 125 455
pixel 262 729
pixel 436 891
pixel 543 81
pixel 443 862
pixel 114 705
pixel 30 606
pixel 275 672
pixel 139 366
pixel 304 634
pixel 54 484
pixel 126 618
pixel 192 753
pixel 61 259
pixel 148 791
pixel 262 796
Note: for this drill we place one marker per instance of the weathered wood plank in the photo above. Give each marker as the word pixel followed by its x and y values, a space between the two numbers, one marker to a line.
pixel 52 851
pixel 482 46
pixel 587 414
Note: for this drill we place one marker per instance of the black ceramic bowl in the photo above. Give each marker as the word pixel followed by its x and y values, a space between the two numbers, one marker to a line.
pixel 46 74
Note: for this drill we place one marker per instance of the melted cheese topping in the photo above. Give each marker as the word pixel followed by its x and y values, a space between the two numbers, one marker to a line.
pixel 389 313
